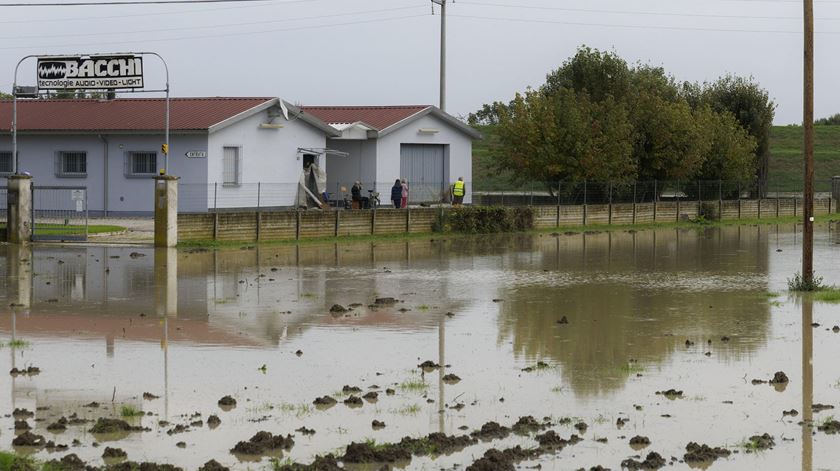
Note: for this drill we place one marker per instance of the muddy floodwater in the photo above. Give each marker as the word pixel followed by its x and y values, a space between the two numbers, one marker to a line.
pixel 607 336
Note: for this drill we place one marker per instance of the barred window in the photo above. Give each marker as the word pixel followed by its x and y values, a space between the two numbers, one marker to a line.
pixel 72 164
pixel 232 164
pixel 6 162
pixel 141 163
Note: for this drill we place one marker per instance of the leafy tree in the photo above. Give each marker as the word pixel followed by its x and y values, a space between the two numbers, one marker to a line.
pixel 5 96
pixel 832 120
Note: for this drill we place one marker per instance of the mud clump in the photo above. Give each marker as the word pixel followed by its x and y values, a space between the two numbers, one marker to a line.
pixel 831 427
pixel 527 424
pixel 779 378
pixel 149 396
pixel 30 371
pixel 213 421
pixel 321 463
pixel 550 440
pixel 58 426
pixel 114 453
pixel 639 440
pixel 351 389
pixel 338 309
pixel 652 461
pixel 821 407
pixel 791 413
pixel 367 453
pixel 703 453
pixel 500 460
pixel 670 394
pixel 437 444
pixel 428 365
pixel 22 425
pixel 371 396
pixel 105 426
pixel 324 401
pixel 353 401
pixel 70 462
pixel 227 401
pixel 144 466
pixel 305 431
pixel 563 321
pixel 384 302
pixel 491 431
pixel 22 413
pixel 262 443
pixel 29 439
pixel 213 465
pixel 581 427
pixel 760 442
pixel 451 379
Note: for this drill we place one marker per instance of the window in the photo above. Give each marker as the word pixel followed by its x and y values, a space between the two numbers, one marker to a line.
pixel 71 164
pixel 141 164
pixel 6 162
pixel 232 164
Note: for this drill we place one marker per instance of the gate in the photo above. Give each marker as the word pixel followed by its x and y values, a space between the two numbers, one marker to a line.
pixel 59 213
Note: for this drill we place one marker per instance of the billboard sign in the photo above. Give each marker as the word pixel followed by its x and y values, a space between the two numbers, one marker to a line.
pixel 90 72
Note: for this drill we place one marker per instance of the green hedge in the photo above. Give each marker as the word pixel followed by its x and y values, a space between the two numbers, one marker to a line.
pixel 490 219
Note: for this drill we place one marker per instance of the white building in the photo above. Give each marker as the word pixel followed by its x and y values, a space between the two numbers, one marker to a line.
pixel 219 147
pixel 231 152
pixel 423 144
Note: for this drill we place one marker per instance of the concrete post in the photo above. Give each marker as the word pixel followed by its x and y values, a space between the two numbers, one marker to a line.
pixel 166 211
pixel 835 189
pixel 19 209
pixel 166 282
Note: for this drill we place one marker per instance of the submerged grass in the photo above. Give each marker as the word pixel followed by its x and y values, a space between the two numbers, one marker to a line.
pixel 414 385
pixel 130 411
pixel 16 343
pixel 412 409
pixel 828 295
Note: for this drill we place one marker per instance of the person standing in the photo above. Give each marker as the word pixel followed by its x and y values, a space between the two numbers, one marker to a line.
pixel 404 194
pixel 458 190
pixel 396 193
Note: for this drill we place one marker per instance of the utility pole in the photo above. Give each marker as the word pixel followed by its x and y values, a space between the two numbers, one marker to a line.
pixel 808 125
pixel 442 4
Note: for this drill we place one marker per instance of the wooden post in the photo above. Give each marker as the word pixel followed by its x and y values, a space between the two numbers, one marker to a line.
pixel 216 225
pixel 407 220
pixel 259 224
pixel 337 222
pixel 297 224
pixel 655 200
pixel 373 222
pixel 808 125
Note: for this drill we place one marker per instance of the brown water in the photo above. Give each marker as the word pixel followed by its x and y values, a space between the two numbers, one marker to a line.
pixel 192 327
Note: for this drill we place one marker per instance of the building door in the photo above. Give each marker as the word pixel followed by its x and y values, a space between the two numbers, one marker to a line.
pixel 423 166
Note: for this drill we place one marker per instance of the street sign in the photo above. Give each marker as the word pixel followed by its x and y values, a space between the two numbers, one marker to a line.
pixel 90 72
pixel 196 154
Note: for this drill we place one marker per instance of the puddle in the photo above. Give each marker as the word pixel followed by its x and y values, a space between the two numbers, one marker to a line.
pixel 578 331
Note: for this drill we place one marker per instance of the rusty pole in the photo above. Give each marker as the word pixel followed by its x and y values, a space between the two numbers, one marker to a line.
pixel 808 125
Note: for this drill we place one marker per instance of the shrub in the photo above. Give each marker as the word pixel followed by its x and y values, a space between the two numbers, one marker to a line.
pixel 490 219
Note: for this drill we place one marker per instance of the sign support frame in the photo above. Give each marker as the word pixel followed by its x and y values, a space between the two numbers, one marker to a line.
pixel 144 53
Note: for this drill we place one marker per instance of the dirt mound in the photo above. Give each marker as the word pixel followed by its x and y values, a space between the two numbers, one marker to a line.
pixel 213 421
pixel 213 465
pixel 263 442
pixel 639 440
pixel 652 461
pixel 436 444
pixel 670 393
pixel 830 427
pixel 451 378
pixel 428 365
pixel 550 439
pixel 324 401
pixel 385 301
pixel 353 401
pixel 114 453
pixel 227 401
pixel 500 460
pixel 22 425
pixel 490 431
pixel 145 466
pixel 22 413
pixel 351 389
pixel 29 439
pixel 368 453
pixel 338 309
pixel 321 463
pixel 104 425
pixel 761 442
pixel 703 453
pixel 527 424
pixel 70 462
pixel 149 396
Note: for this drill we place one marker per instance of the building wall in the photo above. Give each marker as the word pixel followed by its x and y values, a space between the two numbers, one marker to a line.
pixel 269 157
pixel 126 195
pixel 458 158
pixel 359 165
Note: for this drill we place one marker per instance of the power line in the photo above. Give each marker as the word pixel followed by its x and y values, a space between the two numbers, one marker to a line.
pixel 125 2
pixel 223 25
pixel 159 13
pixel 221 35
pixel 631 12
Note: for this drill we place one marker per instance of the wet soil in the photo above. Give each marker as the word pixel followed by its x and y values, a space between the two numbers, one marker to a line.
pixel 227 401
pixel 703 453
pixel 263 442
pixel 108 426
pixel 29 439
pixel 653 460
pixel 114 453
pixel 491 431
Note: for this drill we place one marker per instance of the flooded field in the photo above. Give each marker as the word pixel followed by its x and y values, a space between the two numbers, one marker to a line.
pixel 653 338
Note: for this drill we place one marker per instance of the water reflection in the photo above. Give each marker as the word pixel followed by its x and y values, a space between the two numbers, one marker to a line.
pixel 632 299
pixel 807 382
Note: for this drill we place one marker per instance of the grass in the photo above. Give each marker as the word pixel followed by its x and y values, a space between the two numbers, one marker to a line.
pixel 59 229
pixel 130 411
pixel 16 343
pixel 414 385
pixel 828 295
pixel 412 409
pixel 632 368
pixel 11 461
pixel 423 307
pixel 299 410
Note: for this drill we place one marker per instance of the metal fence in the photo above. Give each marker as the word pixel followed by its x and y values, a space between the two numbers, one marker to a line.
pixel 59 213
pixel 215 197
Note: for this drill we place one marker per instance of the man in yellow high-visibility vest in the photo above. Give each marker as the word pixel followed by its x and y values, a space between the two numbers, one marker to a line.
pixel 458 190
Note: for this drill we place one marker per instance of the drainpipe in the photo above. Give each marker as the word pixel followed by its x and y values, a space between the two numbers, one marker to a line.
pixel 105 169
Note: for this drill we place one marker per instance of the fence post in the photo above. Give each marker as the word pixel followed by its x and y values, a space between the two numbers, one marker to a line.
pixel 778 200
pixel 655 199
pixel 297 224
pixel 215 211
pixel 699 199
pixel 677 194
pixel 215 195
pixel 739 201
pixel 407 220
pixel 86 214
pixel 532 195
pixel 337 222
pixel 720 200
pixel 259 223
pixel 259 188
pixel 634 202
pixel 584 202
pixel 373 222
pixel 559 184
pixel 609 206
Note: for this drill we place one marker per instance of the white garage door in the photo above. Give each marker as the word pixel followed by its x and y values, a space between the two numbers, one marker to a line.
pixel 423 166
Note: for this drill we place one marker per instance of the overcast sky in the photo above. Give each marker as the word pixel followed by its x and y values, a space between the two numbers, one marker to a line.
pixel 380 52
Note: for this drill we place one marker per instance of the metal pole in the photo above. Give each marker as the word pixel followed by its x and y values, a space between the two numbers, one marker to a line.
pixel 442 4
pixel 808 124
pixel 166 68
pixel 14 116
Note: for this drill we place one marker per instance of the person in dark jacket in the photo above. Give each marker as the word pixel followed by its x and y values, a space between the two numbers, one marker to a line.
pixel 396 193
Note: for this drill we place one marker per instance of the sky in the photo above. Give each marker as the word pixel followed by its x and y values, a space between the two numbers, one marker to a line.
pixel 386 52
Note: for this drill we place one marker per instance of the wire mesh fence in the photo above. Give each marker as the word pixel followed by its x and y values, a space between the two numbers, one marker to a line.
pixel 215 197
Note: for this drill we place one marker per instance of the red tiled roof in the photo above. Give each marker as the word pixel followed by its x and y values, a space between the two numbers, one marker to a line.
pixel 380 117
pixel 123 114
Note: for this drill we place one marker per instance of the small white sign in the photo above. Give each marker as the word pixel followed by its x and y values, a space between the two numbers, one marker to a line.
pixel 196 154
pixel 77 195
pixel 80 206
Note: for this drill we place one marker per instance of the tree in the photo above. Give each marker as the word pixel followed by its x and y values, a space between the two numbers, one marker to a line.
pixel 832 120
pixel 5 96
